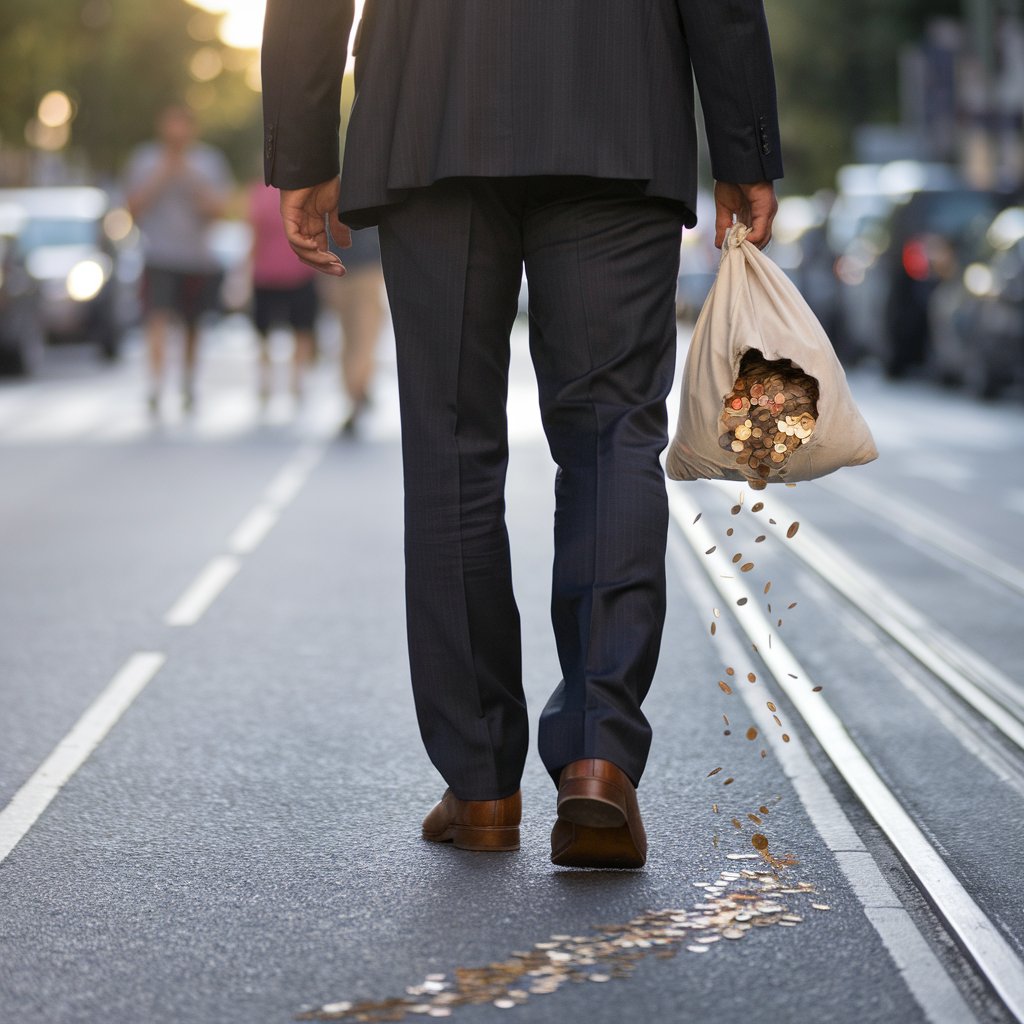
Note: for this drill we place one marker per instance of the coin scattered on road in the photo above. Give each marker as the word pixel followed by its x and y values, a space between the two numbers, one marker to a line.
pixel 736 904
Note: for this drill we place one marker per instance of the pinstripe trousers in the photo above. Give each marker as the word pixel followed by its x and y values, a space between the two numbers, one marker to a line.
pixel 602 260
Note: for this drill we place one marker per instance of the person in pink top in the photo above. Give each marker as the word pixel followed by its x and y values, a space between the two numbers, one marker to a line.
pixel 283 291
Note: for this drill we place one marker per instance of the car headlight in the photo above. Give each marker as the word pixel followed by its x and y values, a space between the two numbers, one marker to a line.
pixel 979 280
pixel 85 279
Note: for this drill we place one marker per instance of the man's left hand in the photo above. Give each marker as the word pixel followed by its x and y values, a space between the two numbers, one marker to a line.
pixel 308 214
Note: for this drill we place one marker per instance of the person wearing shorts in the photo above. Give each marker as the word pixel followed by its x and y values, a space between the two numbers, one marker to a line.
pixel 283 291
pixel 175 188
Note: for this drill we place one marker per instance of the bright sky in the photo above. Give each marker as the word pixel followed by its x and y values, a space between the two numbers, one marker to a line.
pixel 243 19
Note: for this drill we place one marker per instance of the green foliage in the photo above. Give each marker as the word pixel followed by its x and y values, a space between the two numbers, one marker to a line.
pixel 837 67
pixel 120 61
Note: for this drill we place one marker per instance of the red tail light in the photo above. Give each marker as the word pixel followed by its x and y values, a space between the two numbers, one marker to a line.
pixel 916 263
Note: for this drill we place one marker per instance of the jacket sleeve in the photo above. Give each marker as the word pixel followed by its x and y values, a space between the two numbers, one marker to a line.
pixel 732 63
pixel 305 45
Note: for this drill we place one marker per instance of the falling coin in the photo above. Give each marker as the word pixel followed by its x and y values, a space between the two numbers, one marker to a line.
pixel 772 707
pixel 817 689
pixel 724 686
pixel 751 678
pixel 746 567
pixel 752 733
pixel 697 517
pixel 791 532
pixel 741 601
pixel 759 841
pixel 714 771
pixel 711 550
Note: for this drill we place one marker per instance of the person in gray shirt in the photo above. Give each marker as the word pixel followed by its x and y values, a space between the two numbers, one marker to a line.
pixel 175 187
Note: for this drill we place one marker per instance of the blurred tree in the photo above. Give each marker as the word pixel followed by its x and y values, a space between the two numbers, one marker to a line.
pixel 837 66
pixel 121 61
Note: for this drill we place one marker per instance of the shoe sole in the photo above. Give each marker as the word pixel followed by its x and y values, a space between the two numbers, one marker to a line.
pixel 594 803
pixel 599 848
pixel 478 838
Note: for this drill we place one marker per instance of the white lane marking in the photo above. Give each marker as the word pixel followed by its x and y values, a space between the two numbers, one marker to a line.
pixel 975 680
pixel 288 482
pixel 203 591
pixel 924 975
pixel 974 930
pixel 942 704
pixel 71 753
pixel 252 530
pixel 925 526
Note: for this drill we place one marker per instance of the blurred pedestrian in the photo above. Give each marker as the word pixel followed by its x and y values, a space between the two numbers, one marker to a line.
pixel 560 135
pixel 176 187
pixel 283 291
pixel 358 301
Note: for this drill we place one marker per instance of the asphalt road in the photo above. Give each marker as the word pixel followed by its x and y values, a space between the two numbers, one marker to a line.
pixel 242 845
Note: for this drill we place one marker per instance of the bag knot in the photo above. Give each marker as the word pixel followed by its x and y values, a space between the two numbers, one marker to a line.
pixel 737 235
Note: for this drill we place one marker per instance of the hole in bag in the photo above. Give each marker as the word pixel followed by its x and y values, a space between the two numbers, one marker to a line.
pixel 771 411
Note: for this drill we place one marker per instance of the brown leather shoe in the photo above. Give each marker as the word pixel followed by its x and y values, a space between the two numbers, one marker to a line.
pixel 599 823
pixel 481 825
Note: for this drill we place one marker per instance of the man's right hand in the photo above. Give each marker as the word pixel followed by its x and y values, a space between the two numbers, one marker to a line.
pixel 308 214
pixel 754 205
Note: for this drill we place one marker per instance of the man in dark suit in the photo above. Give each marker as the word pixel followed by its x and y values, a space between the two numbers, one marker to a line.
pixel 557 134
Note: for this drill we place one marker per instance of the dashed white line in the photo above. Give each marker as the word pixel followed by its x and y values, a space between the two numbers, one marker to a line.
pixel 251 531
pixel 288 482
pixel 46 782
pixel 203 591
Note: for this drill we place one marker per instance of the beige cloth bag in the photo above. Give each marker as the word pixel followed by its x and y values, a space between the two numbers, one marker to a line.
pixel 752 304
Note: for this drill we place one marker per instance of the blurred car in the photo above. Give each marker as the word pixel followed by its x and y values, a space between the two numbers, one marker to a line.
pixel 69 245
pixel 21 325
pixel 900 252
pixel 977 315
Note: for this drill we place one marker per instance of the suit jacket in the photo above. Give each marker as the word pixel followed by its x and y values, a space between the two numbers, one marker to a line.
pixel 445 88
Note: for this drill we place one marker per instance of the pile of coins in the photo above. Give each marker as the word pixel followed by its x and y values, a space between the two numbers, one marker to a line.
pixel 771 411
pixel 732 906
